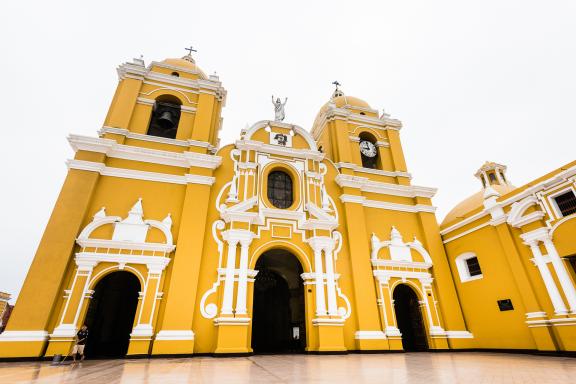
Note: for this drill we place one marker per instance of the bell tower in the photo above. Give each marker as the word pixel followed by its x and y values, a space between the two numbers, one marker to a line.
pixel 356 138
pixel 171 99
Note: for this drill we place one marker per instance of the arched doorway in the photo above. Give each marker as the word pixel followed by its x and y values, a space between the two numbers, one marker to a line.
pixel 278 314
pixel 110 316
pixel 409 319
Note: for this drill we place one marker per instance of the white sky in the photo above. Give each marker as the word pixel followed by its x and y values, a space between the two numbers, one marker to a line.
pixel 471 81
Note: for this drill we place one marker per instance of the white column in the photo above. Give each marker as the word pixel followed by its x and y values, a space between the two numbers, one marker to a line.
pixel 562 273
pixel 320 300
pixel 229 278
pixel 330 282
pixel 555 297
pixel 243 277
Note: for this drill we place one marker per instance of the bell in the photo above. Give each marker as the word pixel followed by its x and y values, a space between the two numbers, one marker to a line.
pixel 165 120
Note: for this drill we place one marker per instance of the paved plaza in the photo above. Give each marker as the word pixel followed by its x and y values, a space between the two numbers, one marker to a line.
pixel 429 368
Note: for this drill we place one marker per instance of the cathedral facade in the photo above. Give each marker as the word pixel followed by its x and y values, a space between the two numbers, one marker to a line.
pixel 163 242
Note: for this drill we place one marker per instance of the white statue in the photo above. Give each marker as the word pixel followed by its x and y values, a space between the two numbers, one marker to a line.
pixel 279 108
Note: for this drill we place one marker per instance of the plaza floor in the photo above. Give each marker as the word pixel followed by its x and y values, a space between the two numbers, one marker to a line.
pixel 429 368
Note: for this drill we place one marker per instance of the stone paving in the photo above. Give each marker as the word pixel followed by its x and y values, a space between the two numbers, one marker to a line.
pixel 429 368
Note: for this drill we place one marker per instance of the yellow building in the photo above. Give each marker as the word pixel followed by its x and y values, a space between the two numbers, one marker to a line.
pixel 287 240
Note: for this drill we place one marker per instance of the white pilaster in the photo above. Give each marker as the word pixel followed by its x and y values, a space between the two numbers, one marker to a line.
pixel 229 278
pixel 318 272
pixel 330 281
pixel 243 275
pixel 553 292
pixel 562 273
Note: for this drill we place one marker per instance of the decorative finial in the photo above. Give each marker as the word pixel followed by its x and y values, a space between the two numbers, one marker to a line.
pixel 190 50
pixel 336 83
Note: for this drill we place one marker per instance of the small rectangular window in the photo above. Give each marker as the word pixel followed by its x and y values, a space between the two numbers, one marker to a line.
pixel 473 266
pixel 566 203
pixel 505 305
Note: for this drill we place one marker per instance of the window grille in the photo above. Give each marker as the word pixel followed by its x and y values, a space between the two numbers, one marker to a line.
pixel 473 266
pixel 566 203
pixel 280 189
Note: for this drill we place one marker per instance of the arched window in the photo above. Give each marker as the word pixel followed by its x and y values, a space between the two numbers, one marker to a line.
pixel 280 189
pixel 368 151
pixel 165 117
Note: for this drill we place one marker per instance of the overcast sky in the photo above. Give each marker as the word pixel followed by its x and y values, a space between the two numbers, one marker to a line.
pixel 471 81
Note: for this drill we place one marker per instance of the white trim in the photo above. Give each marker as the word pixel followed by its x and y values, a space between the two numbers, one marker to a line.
pixel 380 172
pixel 367 185
pixel 459 335
pixel 154 156
pixel 251 145
pixel 345 198
pixel 175 335
pixel 138 175
pixel 115 244
pixel 298 130
pixel 232 321
pixel 462 266
pixel 10 336
pixel 155 264
pixel 370 335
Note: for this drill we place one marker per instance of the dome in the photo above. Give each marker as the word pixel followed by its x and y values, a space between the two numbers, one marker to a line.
pixel 473 202
pixel 340 100
pixel 187 63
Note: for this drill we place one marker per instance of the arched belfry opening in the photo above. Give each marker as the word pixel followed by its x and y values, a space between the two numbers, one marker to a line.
pixel 368 150
pixel 409 319
pixel 110 316
pixel 278 314
pixel 165 117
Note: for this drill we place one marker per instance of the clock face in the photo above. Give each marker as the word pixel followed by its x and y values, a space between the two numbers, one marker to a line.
pixel 368 149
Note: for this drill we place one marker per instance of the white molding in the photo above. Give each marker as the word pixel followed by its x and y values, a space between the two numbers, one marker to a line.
pixel 154 156
pixel 199 179
pixel 232 321
pixel 263 124
pixel 367 185
pixel 251 145
pixel 345 198
pixel 380 172
pixel 175 335
pixel 11 336
pixel 113 244
pixel 155 264
pixel 370 335
pixel 459 335
pixel 463 271
pixel 142 330
pixel 136 174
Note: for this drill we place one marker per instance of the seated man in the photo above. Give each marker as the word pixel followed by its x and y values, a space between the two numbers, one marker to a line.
pixel 81 337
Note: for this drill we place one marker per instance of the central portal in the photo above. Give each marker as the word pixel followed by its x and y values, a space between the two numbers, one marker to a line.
pixel 278 315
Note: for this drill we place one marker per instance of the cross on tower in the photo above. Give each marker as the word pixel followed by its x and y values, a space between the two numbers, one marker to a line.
pixel 337 84
pixel 190 50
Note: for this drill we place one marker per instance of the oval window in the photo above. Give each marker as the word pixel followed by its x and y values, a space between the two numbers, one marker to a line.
pixel 280 189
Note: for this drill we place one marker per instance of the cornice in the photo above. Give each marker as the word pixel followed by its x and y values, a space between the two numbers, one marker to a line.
pixel 380 172
pixel 155 156
pixel 278 150
pixel 104 170
pixel 386 205
pixel 367 185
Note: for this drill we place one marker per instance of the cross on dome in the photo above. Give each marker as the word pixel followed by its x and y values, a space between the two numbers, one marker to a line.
pixel 189 55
